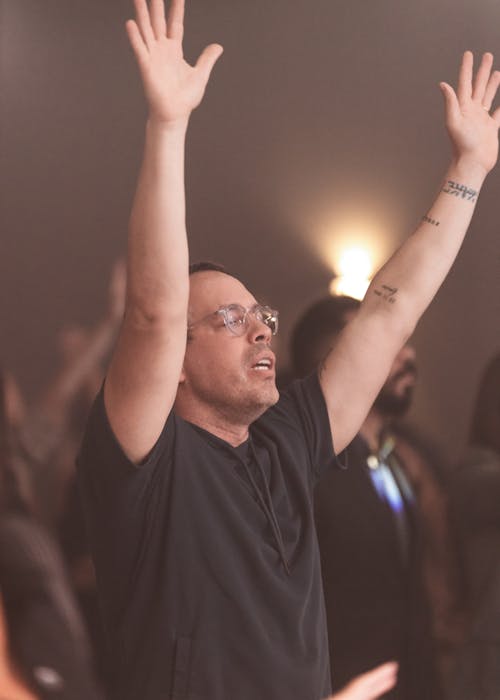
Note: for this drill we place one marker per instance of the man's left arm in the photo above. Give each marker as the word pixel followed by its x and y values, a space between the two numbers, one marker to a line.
pixel 358 364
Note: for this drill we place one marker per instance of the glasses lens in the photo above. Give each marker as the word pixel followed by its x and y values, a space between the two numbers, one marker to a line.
pixel 268 316
pixel 234 318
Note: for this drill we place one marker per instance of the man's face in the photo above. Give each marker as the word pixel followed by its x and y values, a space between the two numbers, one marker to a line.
pixel 220 368
pixel 396 395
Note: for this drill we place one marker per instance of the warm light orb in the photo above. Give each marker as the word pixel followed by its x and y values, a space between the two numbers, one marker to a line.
pixel 355 263
pixel 350 287
pixel 355 267
pixel 353 247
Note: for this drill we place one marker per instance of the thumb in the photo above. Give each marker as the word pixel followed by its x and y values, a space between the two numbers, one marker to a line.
pixel 208 58
pixel 451 105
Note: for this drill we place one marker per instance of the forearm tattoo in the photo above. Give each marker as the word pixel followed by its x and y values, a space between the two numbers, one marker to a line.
pixel 461 191
pixel 428 220
pixel 386 293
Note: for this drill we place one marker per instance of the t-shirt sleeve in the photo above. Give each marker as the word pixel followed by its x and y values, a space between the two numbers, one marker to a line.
pixel 303 403
pixel 120 501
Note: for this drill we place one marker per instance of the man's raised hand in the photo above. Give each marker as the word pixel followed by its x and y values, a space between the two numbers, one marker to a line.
pixel 473 131
pixel 173 88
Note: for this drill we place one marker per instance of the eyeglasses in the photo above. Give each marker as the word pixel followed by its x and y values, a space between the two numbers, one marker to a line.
pixel 236 317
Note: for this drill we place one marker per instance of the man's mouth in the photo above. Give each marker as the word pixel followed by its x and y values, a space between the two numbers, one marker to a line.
pixel 263 362
pixel 263 365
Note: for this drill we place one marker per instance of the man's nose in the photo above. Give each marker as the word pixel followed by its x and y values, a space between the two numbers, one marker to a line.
pixel 407 354
pixel 259 332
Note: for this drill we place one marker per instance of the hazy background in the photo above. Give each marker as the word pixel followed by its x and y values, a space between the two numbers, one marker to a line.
pixel 322 123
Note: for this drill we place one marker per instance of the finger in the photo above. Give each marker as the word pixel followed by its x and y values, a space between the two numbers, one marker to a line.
pixel 391 666
pixel 387 670
pixel 136 41
pixel 176 20
pixel 496 116
pixel 376 686
pixel 384 681
pixel 451 102
pixel 372 684
pixel 143 21
pixel 491 90
pixel 207 59
pixel 464 90
pixel 158 22
pixel 482 77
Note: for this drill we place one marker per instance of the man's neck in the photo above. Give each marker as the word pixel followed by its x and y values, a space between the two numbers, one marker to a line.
pixel 233 434
pixel 213 422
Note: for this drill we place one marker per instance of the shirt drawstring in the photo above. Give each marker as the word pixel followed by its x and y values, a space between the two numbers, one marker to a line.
pixel 266 503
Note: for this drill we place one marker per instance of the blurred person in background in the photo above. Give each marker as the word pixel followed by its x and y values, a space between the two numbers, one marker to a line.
pixel 476 500
pixel 48 429
pixel 383 530
pixel 45 435
pixel 44 652
pixel 84 353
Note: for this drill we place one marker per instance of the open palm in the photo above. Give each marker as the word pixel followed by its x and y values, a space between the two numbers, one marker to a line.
pixel 173 88
pixel 473 131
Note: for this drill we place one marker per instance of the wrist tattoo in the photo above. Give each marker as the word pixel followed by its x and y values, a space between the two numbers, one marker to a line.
pixel 461 191
pixel 428 220
pixel 386 293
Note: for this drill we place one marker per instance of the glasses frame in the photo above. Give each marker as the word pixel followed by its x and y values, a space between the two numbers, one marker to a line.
pixel 262 313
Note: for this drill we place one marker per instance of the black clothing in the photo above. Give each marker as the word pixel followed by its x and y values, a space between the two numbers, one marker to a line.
pixel 375 603
pixel 46 636
pixel 476 500
pixel 75 549
pixel 206 556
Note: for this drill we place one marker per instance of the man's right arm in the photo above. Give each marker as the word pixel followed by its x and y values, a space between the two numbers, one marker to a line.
pixel 142 380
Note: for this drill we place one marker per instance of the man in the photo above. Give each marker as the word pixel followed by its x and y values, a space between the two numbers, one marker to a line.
pixel 377 521
pixel 198 487
pixel 44 649
pixel 476 501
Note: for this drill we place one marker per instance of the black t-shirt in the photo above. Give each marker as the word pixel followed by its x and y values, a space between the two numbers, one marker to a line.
pixel 206 556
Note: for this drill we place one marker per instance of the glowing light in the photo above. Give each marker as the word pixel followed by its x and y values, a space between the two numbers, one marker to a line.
pixel 355 263
pixel 350 287
pixel 353 246
pixel 355 267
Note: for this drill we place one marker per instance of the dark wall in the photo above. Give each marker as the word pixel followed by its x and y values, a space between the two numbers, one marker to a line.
pixel 322 117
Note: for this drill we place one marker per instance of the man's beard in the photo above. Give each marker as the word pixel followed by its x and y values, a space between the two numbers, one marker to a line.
pixel 393 404
pixel 239 402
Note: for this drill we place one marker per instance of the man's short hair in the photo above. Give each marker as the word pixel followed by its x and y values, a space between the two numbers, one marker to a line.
pixel 207 266
pixel 325 317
